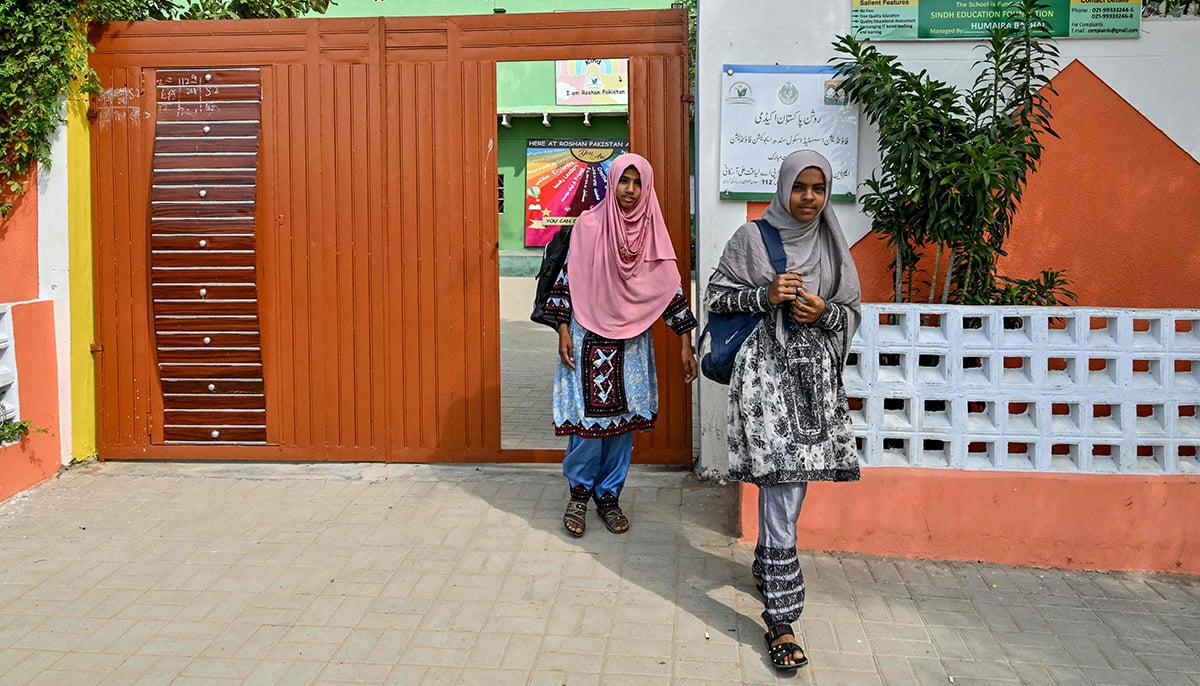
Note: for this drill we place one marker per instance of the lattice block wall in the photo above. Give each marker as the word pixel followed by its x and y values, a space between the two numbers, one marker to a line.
pixel 10 408
pixel 1027 388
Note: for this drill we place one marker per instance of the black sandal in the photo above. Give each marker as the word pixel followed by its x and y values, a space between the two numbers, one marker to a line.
pixel 577 510
pixel 781 652
pixel 609 508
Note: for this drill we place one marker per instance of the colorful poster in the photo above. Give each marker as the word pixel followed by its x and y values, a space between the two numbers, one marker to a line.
pixel 973 19
pixel 769 111
pixel 591 82
pixel 564 177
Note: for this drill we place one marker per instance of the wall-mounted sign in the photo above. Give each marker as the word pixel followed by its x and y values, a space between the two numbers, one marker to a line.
pixel 768 112
pixel 913 19
pixel 564 177
pixel 591 82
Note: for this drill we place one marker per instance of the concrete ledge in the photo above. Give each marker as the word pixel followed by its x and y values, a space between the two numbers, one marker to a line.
pixel 1076 521
pixel 520 262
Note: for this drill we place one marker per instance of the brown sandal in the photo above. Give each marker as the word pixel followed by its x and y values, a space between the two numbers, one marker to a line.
pixel 577 511
pixel 615 520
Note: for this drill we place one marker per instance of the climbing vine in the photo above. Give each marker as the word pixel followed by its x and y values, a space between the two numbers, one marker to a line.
pixel 43 58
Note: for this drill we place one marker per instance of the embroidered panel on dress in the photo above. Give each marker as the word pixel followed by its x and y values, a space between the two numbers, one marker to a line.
pixel 678 315
pixel 603 376
pixel 622 426
pixel 805 409
pixel 558 300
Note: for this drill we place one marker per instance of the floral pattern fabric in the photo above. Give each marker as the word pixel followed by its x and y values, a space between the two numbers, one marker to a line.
pixel 788 416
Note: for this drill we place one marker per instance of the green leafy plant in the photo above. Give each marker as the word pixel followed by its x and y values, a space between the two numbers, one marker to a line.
pixel 43 57
pixel 13 431
pixel 955 162
pixel 1051 288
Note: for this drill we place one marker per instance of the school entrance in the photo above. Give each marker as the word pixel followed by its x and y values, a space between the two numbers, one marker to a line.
pixel 296 234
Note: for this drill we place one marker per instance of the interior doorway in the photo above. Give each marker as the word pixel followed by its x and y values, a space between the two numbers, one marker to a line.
pixel 560 123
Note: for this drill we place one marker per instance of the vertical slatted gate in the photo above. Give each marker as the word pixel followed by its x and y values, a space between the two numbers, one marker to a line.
pixel 333 294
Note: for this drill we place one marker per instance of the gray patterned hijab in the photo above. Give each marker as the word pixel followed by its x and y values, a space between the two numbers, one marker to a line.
pixel 816 250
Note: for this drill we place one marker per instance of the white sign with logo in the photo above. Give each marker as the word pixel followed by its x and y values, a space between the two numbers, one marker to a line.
pixel 768 112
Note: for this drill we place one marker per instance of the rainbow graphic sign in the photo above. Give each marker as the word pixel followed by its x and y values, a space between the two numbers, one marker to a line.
pixel 564 177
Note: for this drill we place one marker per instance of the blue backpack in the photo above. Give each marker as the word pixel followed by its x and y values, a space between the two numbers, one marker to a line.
pixel 730 329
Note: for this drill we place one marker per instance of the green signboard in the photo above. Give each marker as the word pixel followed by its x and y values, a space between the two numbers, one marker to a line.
pixel 921 19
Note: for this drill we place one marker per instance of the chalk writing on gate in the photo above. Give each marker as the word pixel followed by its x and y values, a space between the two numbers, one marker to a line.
pixel 120 104
pixel 187 96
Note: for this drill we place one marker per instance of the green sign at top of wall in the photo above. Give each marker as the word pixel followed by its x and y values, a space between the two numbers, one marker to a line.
pixel 947 19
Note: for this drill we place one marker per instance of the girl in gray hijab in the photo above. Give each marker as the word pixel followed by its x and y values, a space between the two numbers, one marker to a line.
pixel 789 422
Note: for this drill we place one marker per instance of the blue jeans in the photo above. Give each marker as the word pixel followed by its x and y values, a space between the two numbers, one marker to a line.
pixel 600 464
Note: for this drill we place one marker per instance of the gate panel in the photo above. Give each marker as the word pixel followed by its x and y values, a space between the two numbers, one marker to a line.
pixel 120 208
pixel 202 234
pixel 375 232
pixel 409 213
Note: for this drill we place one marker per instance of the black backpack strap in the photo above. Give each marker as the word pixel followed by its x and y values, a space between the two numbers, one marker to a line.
pixel 774 243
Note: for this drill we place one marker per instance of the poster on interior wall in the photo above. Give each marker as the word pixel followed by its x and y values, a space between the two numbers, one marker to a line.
pixel 948 19
pixel 768 112
pixel 591 82
pixel 564 177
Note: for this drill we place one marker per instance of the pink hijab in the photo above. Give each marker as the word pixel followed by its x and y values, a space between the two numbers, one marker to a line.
pixel 614 296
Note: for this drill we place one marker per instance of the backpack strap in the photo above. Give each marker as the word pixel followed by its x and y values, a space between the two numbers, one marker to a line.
pixel 774 243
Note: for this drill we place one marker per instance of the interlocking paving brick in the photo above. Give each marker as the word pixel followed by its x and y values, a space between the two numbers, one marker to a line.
pixel 428 574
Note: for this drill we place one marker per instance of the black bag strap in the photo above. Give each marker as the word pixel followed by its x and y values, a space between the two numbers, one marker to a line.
pixel 774 243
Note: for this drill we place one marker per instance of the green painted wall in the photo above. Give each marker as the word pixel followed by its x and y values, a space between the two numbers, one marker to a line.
pixel 515 257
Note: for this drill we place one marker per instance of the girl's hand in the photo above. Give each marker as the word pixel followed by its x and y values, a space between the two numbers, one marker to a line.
pixel 807 308
pixel 784 288
pixel 691 368
pixel 566 351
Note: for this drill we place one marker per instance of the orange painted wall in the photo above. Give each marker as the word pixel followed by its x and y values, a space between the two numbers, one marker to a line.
pixel 39 455
pixel 1115 203
pixel 870 256
pixel 1078 521
pixel 19 248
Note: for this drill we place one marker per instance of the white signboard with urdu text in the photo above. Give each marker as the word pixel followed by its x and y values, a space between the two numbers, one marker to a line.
pixel 768 112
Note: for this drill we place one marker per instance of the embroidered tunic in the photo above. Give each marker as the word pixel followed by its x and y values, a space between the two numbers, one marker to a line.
pixel 788 416
pixel 614 387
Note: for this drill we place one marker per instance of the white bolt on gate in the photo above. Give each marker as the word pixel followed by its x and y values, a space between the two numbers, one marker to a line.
pixel 1048 389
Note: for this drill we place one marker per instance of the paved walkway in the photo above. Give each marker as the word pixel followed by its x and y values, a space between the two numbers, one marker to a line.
pixel 126 573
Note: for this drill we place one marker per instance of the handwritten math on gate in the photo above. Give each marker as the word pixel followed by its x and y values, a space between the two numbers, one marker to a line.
pixel 768 112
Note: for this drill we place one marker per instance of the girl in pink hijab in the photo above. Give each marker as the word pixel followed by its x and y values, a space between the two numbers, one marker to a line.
pixel 620 277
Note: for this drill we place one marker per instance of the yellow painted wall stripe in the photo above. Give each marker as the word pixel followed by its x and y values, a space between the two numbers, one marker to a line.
pixel 79 214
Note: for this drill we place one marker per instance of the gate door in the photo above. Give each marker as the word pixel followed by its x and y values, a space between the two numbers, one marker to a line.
pixel 296 231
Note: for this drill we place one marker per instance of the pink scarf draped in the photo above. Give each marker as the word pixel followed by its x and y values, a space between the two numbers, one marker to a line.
pixel 619 297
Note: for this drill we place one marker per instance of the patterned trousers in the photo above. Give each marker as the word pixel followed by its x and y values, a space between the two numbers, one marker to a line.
pixel 775 561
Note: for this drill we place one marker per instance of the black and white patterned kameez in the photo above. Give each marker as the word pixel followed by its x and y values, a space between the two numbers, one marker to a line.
pixel 788 424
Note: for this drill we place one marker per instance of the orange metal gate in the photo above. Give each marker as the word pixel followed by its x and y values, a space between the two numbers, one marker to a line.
pixel 296 233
